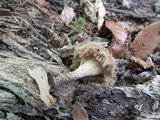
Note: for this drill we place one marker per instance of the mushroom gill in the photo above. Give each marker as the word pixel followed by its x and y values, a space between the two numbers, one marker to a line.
pixel 90 60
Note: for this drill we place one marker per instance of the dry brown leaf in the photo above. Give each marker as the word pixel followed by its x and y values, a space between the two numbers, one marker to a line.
pixel 120 35
pixel 78 112
pixel 67 14
pixel 146 40
pixel 143 64
pixel 40 76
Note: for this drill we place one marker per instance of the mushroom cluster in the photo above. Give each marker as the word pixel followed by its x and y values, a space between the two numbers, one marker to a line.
pixel 90 60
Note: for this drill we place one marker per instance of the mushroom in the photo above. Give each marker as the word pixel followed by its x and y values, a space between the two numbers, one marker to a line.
pixel 90 60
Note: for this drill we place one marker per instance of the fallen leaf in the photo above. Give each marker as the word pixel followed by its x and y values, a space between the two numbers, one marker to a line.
pixel 120 35
pixel 101 13
pixel 143 64
pixel 67 14
pixel 146 40
pixel 94 11
pixel 40 76
pixel 130 27
pixel 78 112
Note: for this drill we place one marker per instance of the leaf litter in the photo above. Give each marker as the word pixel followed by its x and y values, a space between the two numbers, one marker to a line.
pixel 35 30
pixel 120 35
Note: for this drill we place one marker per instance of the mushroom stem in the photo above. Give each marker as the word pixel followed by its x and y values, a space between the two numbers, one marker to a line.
pixel 89 67
pixel 90 60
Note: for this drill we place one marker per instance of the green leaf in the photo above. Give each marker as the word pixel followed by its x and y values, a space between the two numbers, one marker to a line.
pixel 72 27
pixel 80 30
pixel 80 23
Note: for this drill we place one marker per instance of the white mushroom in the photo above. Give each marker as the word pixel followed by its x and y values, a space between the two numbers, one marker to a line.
pixel 90 60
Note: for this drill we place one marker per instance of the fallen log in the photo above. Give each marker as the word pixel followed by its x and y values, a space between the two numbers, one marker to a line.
pixel 20 97
pixel 19 93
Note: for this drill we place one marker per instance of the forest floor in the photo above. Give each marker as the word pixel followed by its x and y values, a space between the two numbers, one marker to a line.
pixel 46 33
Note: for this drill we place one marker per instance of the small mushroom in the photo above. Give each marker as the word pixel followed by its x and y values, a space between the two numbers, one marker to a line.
pixel 90 60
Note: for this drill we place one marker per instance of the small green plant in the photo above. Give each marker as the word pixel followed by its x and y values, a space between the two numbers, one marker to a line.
pixel 78 28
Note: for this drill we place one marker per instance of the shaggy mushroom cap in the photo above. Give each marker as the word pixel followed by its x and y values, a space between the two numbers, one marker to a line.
pixel 94 52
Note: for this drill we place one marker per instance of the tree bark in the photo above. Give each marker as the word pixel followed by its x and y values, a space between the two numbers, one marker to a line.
pixel 19 93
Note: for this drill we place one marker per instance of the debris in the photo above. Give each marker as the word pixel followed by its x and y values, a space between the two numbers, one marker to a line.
pixel 10 39
pixel 143 64
pixel 15 37
pixel 151 88
pixel 11 116
pixel 44 7
pixel 40 76
pixel 130 92
pixel 130 27
pixel 55 57
pixel 78 112
pixel 120 35
pixel 101 11
pixel 67 14
pixel 155 105
pixel 146 40
pixel 157 7
pixel 126 3
pixel 132 13
pixel 94 9
pixel 89 10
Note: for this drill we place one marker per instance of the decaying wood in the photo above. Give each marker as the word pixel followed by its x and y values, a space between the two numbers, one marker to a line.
pixel 140 102
pixel 19 93
pixel 130 13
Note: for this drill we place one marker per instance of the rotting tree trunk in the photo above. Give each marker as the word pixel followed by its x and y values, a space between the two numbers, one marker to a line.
pixel 19 95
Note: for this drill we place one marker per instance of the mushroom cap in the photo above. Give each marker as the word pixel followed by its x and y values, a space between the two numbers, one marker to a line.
pixel 101 55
